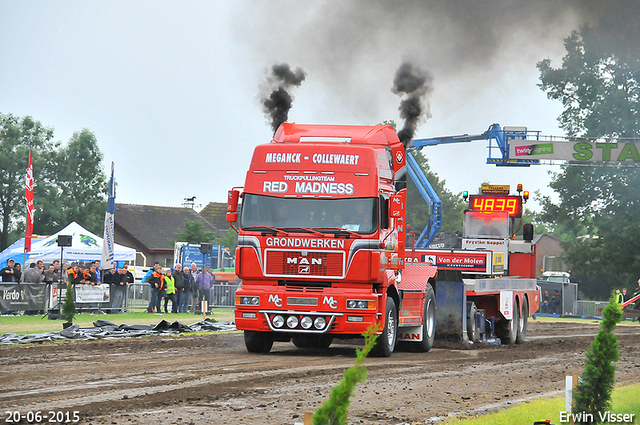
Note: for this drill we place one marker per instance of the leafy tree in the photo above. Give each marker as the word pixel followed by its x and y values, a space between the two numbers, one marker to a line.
pixel 194 233
pixel 593 393
pixel 77 188
pixel 17 137
pixel 599 207
pixel 69 184
pixel 229 240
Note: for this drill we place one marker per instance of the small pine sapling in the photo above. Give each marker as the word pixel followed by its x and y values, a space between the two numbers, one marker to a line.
pixel 593 393
pixel 334 410
pixel 69 305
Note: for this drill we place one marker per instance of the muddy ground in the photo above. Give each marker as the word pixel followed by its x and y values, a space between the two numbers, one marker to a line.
pixel 212 379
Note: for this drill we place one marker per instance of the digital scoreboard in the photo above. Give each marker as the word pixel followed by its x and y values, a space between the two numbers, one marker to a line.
pixel 497 203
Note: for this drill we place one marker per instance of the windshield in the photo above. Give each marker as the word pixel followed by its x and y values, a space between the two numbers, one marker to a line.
pixel 356 215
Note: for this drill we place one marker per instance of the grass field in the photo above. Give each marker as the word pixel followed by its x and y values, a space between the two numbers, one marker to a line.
pixel 37 324
pixel 626 400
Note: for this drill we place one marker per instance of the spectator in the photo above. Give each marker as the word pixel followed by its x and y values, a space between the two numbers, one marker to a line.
pixel 170 292
pixel 90 276
pixel 154 291
pixel 32 274
pixel 176 272
pixel 40 266
pixel 185 294
pixel 156 281
pixel 203 280
pixel 112 278
pixel 619 297
pixel 195 291
pixel 9 273
pixel 546 300
pixel 74 275
pixel 18 269
pixel 97 269
pixel 50 276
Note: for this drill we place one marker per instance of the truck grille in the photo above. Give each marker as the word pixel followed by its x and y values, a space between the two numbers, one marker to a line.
pixel 329 264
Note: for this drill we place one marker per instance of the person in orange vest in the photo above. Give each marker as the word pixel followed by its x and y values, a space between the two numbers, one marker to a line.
pixel 156 281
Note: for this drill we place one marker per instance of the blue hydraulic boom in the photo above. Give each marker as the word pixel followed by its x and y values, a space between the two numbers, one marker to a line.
pixel 498 141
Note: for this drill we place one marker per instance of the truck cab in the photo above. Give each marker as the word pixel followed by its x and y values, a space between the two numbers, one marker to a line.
pixel 321 238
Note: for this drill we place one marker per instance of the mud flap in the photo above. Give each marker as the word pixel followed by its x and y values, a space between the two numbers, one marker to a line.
pixel 451 311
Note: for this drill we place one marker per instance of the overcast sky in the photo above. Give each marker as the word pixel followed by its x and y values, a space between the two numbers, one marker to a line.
pixel 171 88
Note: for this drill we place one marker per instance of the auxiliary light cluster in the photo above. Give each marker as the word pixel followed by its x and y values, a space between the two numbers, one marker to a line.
pixel 293 321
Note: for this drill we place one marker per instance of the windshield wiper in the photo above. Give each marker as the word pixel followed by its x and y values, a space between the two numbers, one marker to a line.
pixel 265 229
pixel 338 231
pixel 305 229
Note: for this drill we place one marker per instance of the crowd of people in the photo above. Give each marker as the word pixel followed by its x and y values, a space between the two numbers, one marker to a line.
pixel 76 273
pixel 183 286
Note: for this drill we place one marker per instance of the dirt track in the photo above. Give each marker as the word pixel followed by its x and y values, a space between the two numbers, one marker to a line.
pixel 212 379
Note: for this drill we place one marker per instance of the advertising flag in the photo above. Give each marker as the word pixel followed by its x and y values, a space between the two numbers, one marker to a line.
pixel 28 194
pixel 108 244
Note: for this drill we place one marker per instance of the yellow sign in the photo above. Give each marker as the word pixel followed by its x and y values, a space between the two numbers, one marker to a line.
pixel 498 262
pixel 504 189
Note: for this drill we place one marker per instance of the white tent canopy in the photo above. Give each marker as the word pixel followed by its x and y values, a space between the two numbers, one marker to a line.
pixel 85 246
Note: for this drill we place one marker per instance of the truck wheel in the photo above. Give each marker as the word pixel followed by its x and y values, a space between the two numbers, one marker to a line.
pixel 472 328
pixel 386 342
pixel 507 330
pixel 429 321
pixel 522 323
pixel 258 342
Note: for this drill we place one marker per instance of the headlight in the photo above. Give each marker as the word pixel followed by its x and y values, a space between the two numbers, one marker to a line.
pixel 292 321
pixel 361 304
pixel 278 321
pixel 319 323
pixel 248 300
pixel 306 322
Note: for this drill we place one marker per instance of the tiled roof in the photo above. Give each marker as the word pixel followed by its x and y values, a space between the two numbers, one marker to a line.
pixel 155 226
pixel 216 214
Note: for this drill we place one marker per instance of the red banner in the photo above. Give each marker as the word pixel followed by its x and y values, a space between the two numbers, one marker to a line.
pixel 28 194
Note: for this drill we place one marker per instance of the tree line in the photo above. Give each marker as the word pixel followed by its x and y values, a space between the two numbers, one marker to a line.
pixel 69 181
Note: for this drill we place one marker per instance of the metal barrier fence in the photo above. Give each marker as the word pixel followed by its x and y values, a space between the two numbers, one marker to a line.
pixel 590 308
pixel 139 294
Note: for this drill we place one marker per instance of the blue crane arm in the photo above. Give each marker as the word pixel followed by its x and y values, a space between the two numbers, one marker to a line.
pixel 498 139
pixel 432 199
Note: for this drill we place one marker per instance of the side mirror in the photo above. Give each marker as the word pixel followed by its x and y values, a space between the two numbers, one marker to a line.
pixel 527 232
pixel 232 205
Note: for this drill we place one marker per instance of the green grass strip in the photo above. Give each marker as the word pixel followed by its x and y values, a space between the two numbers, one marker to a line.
pixel 626 400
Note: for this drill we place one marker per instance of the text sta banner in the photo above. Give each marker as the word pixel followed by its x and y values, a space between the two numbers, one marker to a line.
pixel 575 151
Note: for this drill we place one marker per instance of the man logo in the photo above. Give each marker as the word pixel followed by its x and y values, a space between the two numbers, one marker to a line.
pixel 331 302
pixel 304 269
pixel 276 300
pixel 304 261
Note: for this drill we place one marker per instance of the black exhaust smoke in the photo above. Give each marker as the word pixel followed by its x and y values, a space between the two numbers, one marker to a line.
pixel 275 98
pixel 412 85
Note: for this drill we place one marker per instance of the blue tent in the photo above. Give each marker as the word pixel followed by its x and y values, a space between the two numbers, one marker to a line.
pixel 15 252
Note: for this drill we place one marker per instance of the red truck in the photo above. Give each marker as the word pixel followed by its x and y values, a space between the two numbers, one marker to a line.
pixel 321 243
pixel 321 249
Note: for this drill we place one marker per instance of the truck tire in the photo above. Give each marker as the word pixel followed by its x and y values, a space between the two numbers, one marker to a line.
pixel 428 321
pixel 507 330
pixel 522 323
pixel 386 342
pixel 258 342
pixel 472 328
